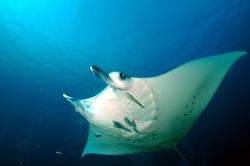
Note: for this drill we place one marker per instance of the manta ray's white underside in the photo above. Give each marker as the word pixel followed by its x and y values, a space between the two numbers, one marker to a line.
pixel 152 113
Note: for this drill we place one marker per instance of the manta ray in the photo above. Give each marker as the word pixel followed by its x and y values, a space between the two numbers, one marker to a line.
pixel 133 114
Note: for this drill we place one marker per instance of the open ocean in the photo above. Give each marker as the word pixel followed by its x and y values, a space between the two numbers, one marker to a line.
pixel 47 46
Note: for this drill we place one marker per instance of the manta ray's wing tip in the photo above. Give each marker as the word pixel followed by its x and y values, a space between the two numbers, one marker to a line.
pixel 234 55
pixel 240 52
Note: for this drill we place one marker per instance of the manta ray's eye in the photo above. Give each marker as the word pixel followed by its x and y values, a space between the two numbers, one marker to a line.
pixel 122 76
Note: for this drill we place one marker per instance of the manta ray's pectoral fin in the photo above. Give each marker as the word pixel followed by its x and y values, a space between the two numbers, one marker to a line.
pixel 131 97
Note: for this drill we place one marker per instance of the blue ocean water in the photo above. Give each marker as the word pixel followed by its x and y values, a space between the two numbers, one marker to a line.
pixel 47 46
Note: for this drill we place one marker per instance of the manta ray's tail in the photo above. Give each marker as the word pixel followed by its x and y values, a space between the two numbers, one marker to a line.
pixel 182 156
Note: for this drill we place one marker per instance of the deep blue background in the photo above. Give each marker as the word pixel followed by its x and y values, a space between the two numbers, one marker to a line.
pixel 47 46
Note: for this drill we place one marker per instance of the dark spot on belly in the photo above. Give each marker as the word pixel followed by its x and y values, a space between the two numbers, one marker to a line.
pixel 97 135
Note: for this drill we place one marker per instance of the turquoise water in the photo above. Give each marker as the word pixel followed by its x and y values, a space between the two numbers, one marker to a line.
pixel 47 46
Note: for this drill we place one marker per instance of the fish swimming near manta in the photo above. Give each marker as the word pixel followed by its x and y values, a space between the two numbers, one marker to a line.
pixel 133 115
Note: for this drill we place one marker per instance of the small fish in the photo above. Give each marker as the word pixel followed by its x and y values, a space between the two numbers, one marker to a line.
pixel 131 97
pixel 120 126
pixel 59 153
